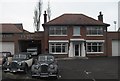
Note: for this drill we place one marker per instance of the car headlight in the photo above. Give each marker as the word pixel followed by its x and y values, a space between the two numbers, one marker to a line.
pixel 51 66
pixel 36 66
pixel 19 63
pixel 8 63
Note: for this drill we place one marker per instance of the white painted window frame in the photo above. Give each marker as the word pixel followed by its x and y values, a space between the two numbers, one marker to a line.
pixel 55 29
pixel 78 29
pixel 97 41
pixel 90 28
pixel 60 42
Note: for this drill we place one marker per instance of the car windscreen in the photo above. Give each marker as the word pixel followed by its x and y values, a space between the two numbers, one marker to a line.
pixel 45 58
pixel 20 56
pixel 2 55
pixel 5 54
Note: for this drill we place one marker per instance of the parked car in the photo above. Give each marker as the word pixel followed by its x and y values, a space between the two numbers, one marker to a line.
pixel 4 56
pixel 21 62
pixel 33 50
pixel 45 66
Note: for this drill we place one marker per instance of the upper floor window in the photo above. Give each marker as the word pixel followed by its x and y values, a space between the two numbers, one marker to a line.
pixel 76 31
pixel 58 30
pixel 94 30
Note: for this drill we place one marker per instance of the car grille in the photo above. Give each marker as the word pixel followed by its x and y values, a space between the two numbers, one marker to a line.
pixel 14 65
pixel 44 68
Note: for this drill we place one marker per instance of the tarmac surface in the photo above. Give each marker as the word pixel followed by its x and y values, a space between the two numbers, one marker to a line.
pixel 79 68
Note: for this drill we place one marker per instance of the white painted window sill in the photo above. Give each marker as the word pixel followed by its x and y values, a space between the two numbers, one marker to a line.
pixel 94 52
pixel 94 35
pixel 59 53
pixel 57 35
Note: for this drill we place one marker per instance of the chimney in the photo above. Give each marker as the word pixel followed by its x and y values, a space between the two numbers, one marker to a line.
pixel 100 16
pixel 45 17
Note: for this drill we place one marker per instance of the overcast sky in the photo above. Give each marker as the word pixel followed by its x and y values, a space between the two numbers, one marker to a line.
pixel 22 11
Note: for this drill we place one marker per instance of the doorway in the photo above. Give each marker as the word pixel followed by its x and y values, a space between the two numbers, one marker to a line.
pixel 77 49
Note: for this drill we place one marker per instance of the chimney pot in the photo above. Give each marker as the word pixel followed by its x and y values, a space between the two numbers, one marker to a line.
pixel 100 17
pixel 45 17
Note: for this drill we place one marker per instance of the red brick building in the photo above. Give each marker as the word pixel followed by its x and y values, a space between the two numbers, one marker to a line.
pixel 16 39
pixel 68 35
pixel 76 35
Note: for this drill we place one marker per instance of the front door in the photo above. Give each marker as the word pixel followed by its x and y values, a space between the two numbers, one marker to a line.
pixel 77 49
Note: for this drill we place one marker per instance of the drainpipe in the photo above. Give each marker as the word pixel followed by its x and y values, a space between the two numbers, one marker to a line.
pixel 106 43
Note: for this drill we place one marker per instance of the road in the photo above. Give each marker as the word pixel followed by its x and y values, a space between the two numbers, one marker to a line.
pixel 92 68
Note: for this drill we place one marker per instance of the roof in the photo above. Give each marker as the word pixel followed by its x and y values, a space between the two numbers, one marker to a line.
pixel 11 28
pixel 74 19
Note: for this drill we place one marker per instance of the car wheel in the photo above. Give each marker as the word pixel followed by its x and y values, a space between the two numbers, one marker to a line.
pixel 56 77
pixel 25 68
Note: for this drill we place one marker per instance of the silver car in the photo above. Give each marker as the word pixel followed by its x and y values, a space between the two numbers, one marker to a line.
pixel 45 66
pixel 4 56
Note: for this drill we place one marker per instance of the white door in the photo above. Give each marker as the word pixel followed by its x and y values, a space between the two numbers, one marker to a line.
pixel 115 47
pixel 77 49
pixel 7 47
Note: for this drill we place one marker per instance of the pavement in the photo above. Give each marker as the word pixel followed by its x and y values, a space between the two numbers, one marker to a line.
pixel 72 58
pixel 81 68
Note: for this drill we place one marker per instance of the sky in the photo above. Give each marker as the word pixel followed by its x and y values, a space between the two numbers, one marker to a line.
pixel 22 11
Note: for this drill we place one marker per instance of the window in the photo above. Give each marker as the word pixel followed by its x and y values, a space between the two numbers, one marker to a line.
pixel 94 47
pixel 76 31
pixel 58 47
pixel 6 35
pixel 58 30
pixel 94 31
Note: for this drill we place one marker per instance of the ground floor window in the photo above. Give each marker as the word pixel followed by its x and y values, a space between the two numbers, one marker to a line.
pixel 95 47
pixel 58 47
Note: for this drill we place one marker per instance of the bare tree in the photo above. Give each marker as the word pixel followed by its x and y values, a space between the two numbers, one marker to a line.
pixel 37 15
pixel 49 11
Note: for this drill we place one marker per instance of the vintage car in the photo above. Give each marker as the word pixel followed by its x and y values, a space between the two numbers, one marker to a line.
pixel 4 56
pixel 45 66
pixel 33 51
pixel 21 62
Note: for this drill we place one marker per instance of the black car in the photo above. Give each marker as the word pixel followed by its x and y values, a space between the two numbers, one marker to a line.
pixel 21 62
pixel 45 66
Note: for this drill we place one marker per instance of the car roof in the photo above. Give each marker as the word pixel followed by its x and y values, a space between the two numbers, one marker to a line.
pixel 46 54
pixel 23 53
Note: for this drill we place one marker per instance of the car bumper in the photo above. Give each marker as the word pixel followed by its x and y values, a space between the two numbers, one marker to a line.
pixel 13 70
pixel 44 75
